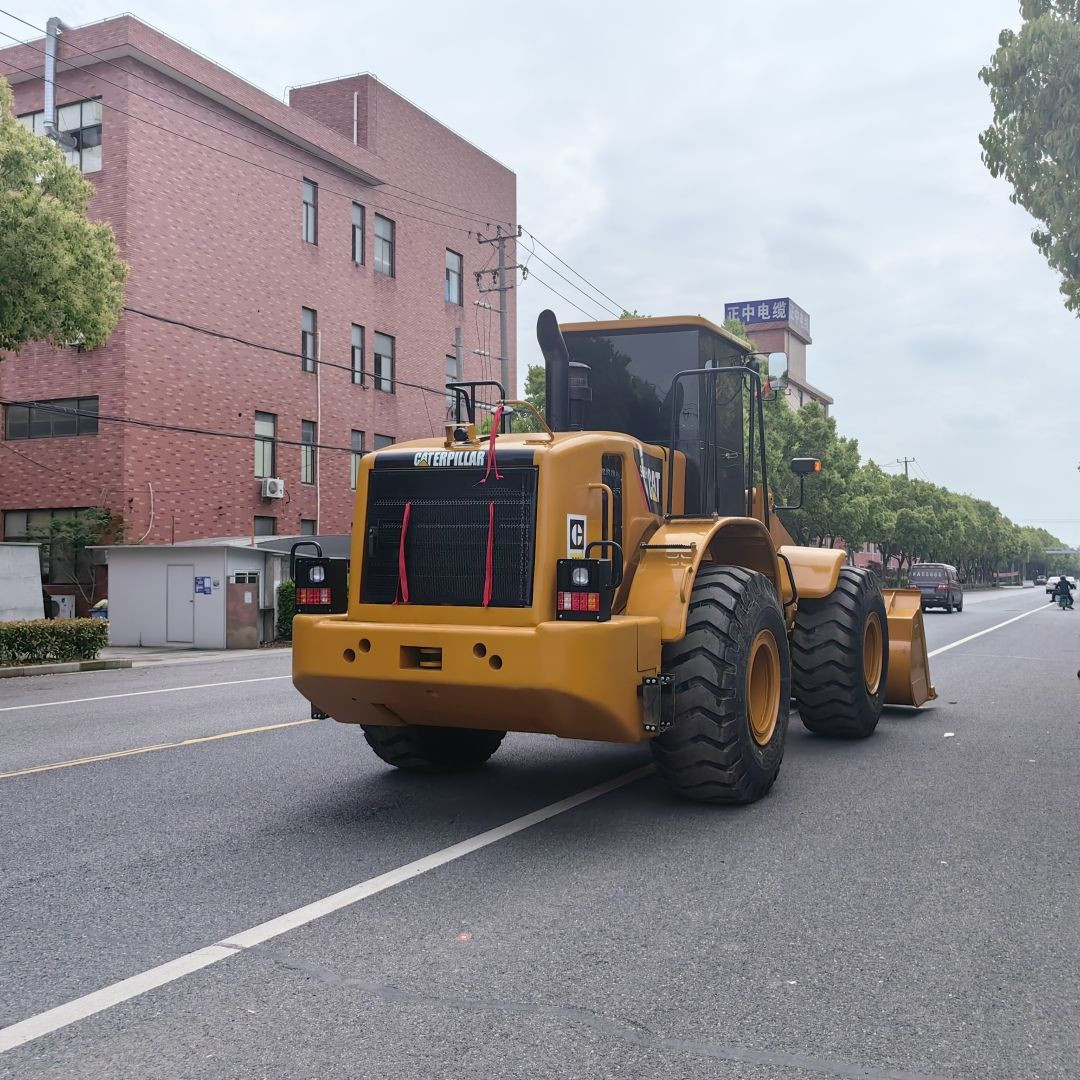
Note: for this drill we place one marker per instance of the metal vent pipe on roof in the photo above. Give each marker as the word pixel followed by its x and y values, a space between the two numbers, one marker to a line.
pixel 53 29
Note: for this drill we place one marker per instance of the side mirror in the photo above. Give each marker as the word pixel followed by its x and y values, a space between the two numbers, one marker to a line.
pixel 805 466
pixel 802 467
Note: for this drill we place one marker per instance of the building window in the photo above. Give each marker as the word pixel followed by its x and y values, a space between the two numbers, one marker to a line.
pixel 358 234
pixel 357 454
pixel 309 326
pixel 265 526
pixel 453 374
pixel 307 526
pixel 59 564
pixel 383 441
pixel 308 439
pixel 358 355
pixel 384 363
pixel 50 419
pixel 311 212
pixel 265 433
pixel 453 278
pixel 81 122
pixel 384 245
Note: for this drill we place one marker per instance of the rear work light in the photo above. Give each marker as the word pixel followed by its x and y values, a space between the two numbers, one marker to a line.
pixel 322 583
pixel 585 586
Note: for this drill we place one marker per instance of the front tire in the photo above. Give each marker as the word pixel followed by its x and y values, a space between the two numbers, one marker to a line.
pixel 732 691
pixel 840 657
pixel 420 748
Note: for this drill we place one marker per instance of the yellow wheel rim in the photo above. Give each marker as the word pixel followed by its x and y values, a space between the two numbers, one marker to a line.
pixel 872 653
pixel 763 687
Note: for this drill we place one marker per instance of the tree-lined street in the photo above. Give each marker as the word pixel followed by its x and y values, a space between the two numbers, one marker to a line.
pixel 904 906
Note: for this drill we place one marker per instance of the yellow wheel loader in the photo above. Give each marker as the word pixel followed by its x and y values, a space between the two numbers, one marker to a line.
pixel 618 574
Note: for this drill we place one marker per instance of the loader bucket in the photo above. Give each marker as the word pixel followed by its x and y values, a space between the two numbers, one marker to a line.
pixel 909 666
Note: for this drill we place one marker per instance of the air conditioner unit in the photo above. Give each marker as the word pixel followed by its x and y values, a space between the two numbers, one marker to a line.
pixel 273 487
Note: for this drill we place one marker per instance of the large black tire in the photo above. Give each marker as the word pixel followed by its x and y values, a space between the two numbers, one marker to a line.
pixel 420 748
pixel 712 753
pixel 839 687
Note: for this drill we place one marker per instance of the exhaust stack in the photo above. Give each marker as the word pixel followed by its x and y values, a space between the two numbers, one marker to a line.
pixel 556 371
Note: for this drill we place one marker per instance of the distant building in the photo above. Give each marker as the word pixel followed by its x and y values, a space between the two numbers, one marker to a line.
pixel 781 326
pixel 341 227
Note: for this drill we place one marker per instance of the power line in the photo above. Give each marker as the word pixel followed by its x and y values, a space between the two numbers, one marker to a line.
pixel 573 271
pixel 281 352
pixel 180 429
pixel 475 216
pixel 561 296
pixel 591 299
pixel 236 157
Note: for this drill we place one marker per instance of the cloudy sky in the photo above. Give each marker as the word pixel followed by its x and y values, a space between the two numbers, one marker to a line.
pixel 684 155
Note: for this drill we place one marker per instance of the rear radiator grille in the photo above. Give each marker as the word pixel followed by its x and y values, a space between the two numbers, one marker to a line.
pixel 446 541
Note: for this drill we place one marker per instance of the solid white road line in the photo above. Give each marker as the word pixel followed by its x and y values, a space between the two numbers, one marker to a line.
pixel 54 1019
pixel 140 693
pixel 988 630
pixel 88 1005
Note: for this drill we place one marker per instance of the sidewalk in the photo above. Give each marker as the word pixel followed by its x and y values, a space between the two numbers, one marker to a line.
pixel 144 656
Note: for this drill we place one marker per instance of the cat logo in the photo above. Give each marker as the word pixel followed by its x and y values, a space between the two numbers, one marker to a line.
pixel 649 469
pixel 441 459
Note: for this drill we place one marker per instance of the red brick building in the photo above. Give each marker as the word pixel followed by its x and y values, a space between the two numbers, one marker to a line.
pixel 341 227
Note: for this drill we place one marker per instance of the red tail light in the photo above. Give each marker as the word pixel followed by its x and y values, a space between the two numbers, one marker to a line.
pixel 312 596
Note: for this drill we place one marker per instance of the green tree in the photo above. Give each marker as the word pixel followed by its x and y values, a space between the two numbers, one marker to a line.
pixel 536 387
pixel 68 537
pixel 1034 141
pixel 63 278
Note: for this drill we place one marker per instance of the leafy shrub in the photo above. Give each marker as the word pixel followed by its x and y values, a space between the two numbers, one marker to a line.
pixel 286 609
pixel 55 641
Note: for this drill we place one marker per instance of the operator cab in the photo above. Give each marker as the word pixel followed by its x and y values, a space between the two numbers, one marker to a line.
pixel 633 368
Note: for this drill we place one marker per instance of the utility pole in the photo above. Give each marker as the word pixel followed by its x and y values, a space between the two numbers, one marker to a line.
pixel 502 288
pixel 904 462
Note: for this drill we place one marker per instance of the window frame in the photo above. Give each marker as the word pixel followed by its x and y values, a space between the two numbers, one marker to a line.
pixel 256 518
pixel 310 228
pixel 384 244
pixel 387 440
pixel 54 559
pixel 265 445
pixel 357 353
pixel 359 449
pixel 309 454
pixel 309 339
pixel 381 382
pixel 87 136
pixel 359 232
pixel 313 531
pixel 454 275
pixel 84 425
pixel 451 397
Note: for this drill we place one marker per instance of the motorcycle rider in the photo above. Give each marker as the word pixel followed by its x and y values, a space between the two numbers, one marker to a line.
pixel 1063 588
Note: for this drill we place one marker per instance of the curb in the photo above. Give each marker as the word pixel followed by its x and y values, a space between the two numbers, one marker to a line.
pixel 62 669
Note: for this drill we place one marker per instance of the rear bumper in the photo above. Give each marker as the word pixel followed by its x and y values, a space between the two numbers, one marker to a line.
pixel 575 680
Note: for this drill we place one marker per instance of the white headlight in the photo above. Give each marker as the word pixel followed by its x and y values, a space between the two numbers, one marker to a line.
pixel 580 575
pixel 316 574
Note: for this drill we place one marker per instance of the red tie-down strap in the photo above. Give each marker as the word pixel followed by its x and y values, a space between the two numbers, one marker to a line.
pixel 489 561
pixel 496 423
pixel 402 573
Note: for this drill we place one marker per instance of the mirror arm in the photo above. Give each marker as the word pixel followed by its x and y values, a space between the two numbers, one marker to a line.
pixel 802 496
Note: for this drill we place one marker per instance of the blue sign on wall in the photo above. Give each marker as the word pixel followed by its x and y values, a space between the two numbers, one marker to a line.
pixel 781 309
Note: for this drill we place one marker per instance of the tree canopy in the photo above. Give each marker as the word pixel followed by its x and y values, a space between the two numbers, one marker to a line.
pixel 850 504
pixel 1034 141
pixel 62 275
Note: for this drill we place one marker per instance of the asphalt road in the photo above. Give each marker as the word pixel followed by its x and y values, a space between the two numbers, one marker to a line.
pixel 901 907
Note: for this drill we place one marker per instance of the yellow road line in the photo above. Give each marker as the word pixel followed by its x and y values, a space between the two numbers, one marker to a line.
pixel 151 749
